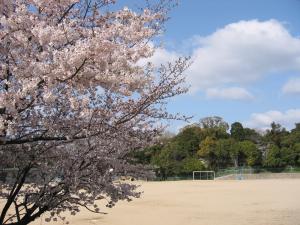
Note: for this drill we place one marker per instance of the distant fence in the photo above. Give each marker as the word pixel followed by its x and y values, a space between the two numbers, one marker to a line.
pixel 255 170
pixel 248 173
pixel 260 176
pixel 240 172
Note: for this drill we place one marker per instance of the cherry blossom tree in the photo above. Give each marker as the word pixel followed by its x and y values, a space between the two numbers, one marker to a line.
pixel 75 101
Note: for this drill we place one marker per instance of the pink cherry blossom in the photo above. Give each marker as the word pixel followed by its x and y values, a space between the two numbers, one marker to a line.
pixel 74 102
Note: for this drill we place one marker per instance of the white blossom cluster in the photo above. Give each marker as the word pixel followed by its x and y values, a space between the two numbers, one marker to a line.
pixel 74 103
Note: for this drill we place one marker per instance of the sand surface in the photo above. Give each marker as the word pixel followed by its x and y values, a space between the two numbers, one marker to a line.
pixel 247 202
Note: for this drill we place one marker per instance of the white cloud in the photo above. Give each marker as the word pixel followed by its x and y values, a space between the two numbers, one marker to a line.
pixel 238 54
pixel 292 86
pixel 233 93
pixel 243 52
pixel 263 120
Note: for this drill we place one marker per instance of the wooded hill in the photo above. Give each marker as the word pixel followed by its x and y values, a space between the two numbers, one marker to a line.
pixel 212 145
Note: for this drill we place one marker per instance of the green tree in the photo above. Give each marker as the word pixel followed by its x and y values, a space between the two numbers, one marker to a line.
pixel 192 164
pixel 214 127
pixel 292 138
pixel 237 154
pixel 287 156
pixel 252 153
pixel 237 131
pixel 252 135
pixel 297 128
pixel 164 163
pixel 207 151
pixel 274 157
pixel 296 155
pixel 276 134
pixel 176 155
pixel 188 140
pixel 223 151
pixel 291 155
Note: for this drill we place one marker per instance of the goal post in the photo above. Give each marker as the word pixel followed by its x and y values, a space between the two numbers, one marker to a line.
pixel 204 175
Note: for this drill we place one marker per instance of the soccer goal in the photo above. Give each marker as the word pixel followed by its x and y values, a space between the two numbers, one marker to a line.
pixel 203 175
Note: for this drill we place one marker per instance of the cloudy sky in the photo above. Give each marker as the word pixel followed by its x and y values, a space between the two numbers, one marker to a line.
pixel 246 60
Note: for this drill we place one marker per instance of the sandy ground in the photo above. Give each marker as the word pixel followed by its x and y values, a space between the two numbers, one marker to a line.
pixel 247 202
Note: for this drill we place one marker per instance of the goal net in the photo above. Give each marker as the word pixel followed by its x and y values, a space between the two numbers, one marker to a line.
pixel 203 175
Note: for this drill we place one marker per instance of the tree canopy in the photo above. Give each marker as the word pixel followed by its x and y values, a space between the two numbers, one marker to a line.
pixel 208 145
pixel 75 101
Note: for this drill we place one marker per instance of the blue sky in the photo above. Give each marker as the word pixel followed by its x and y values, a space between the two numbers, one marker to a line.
pixel 246 60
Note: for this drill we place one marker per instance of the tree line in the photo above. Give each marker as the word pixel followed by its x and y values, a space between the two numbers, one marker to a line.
pixel 212 144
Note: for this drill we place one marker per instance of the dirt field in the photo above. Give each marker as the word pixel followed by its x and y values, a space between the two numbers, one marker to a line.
pixel 247 202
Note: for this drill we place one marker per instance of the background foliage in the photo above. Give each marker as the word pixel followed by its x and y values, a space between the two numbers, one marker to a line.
pixel 211 145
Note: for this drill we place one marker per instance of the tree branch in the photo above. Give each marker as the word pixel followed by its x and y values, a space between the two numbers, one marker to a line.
pixel 66 12
pixel 76 72
pixel 13 194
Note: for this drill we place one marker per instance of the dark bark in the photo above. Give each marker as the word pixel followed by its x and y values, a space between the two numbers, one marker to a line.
pixel 14 192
